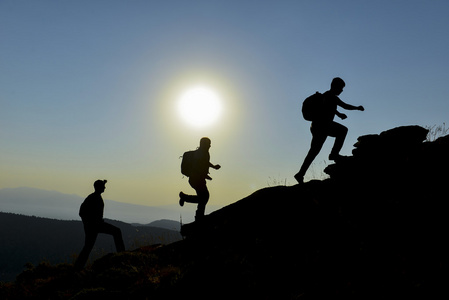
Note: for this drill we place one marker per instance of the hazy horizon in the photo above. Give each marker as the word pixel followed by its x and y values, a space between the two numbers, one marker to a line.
pixel 56 205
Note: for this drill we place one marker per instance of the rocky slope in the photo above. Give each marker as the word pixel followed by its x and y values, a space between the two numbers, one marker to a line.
pixel 375 229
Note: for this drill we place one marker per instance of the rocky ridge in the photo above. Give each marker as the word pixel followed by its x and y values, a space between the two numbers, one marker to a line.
pixel 375 229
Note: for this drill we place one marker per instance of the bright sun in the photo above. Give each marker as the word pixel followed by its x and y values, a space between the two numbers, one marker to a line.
pixel 199 106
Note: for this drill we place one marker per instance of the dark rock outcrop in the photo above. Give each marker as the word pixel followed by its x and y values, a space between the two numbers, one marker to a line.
pixel 375 228
pixel 383 155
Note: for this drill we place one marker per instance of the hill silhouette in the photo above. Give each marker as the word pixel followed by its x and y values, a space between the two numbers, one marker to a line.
pixel 375 229
pixel 30 240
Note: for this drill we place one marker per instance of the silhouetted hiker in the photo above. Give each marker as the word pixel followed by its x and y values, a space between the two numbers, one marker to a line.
pixel 198 172
pixel 323 125
pixel 91 212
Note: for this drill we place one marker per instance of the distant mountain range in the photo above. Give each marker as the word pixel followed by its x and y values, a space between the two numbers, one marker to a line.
pixel 31 240
pixel 39 225
pixel 56 205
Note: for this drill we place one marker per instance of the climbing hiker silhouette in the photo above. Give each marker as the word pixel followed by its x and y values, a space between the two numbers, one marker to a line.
pixel 321 110
pixel 195 164
pixel 91 212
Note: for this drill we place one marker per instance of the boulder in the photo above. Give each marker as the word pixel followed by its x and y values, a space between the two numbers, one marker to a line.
pixel 398 148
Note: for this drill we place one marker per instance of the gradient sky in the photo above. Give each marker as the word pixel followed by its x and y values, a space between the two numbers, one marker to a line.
pixel 88 89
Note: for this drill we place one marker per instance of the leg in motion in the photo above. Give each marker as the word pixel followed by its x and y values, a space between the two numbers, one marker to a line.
pixel 318 139
pixel 339 132
pixel 91 233
pixel 116 234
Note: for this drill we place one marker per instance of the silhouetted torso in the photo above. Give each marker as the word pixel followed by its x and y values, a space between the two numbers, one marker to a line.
pixel 329 108
pixel 202 164
pixel 92 208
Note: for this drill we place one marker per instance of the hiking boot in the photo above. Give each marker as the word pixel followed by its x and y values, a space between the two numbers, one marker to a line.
pixel 181 198
pixel 299 178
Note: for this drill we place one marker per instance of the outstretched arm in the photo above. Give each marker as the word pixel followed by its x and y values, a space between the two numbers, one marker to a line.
pixel 349 106
pixel 216 167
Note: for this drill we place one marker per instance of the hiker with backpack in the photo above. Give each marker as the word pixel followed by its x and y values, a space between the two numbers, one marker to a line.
pixel 91 213
pixel 195 165
pixel 321 110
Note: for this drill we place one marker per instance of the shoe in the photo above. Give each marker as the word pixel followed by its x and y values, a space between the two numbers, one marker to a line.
pixel 181 198
pixel 299 178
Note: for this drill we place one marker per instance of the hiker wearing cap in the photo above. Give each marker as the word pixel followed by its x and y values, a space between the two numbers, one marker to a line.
pixel 91 213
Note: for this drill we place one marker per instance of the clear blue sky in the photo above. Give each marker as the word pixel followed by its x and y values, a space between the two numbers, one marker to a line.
pixel 88 89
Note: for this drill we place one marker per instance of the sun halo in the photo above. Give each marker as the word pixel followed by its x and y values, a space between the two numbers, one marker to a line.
pixel 199 106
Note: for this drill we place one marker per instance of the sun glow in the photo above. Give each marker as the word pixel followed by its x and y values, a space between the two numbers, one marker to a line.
pixel 199 106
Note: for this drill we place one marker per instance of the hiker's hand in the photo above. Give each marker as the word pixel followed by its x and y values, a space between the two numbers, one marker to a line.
pixel 216 167
pixel 343 116
pixel 361 108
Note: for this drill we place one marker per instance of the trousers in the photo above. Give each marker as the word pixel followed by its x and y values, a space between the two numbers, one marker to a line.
pixel 320 132
pixel 201 197
pixel 91 230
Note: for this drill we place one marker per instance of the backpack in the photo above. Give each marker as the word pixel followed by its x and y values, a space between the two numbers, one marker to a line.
pixel 188 163
pixel 83 210
pixel 311 106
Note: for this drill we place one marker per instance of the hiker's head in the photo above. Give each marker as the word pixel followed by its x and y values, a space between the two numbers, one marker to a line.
pixel 100 185
pixel 205 143
pixel 337 85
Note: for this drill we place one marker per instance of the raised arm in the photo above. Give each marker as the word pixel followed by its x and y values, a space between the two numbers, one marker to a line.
pixel 216 167
pixel 349 106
